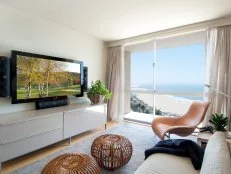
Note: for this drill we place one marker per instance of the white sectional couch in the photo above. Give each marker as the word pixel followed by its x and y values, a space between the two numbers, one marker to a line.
pixel 217 160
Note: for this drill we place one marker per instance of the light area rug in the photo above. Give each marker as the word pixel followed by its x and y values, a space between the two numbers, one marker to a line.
pixel 140 136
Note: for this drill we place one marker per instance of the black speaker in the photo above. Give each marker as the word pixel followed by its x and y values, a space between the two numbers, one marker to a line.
pixel 52 103
pixel 4 77
pixel 85 78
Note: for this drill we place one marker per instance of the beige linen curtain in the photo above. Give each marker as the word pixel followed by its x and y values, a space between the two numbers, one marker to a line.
pixel 115 83
pixel 218 67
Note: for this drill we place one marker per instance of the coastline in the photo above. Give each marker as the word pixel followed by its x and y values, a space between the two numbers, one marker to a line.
pixel 167 103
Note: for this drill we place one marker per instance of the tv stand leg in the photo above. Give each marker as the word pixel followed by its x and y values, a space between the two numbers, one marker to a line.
pixel 105 126
pixel 69 141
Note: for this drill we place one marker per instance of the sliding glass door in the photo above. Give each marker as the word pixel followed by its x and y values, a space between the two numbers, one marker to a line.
pixel 179 77
pixel 166 76
pixel 141 87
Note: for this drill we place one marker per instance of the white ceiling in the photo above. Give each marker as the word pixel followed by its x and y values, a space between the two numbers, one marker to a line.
pixel 118 19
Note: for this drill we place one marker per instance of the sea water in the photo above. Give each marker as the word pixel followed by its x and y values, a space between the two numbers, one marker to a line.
pixel 175 88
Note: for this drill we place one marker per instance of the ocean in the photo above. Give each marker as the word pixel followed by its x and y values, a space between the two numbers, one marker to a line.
pixel 177 88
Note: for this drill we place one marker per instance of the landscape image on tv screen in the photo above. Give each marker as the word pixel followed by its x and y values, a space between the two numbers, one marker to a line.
pixel 41 78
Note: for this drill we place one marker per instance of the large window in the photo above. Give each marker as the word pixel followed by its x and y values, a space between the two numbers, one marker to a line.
pixel 165 80
pixel 180 69
pixel 142 70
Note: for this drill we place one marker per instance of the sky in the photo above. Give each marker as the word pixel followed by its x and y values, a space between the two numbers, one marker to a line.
pixel 184 65
pixel 72 67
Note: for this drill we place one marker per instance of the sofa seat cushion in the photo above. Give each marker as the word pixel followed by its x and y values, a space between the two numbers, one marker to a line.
pixel 160 163
pixel 217 159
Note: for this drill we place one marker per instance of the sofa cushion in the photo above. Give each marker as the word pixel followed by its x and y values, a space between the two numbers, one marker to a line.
pixel 217 158
pixel 160 163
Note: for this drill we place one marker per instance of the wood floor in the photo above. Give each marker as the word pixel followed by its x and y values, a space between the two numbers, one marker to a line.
pixel 19 162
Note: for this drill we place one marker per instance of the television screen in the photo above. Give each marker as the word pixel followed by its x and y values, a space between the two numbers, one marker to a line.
pixel 44 77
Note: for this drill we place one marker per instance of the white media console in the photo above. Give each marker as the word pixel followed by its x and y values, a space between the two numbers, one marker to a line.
pixel 24 132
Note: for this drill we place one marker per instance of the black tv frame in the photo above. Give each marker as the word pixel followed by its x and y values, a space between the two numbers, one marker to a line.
pixel 13 76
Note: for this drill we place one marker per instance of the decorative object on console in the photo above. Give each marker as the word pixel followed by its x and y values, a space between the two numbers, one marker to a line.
pixel 72 163
pixel 219 122
pixel 111 151
pixel 4 77
pixel 97 92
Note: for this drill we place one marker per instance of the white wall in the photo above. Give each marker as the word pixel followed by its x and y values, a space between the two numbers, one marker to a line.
pixel 20 31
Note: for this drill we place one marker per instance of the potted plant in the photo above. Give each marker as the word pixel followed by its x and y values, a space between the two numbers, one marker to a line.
pixel 98 92
pixel 219 122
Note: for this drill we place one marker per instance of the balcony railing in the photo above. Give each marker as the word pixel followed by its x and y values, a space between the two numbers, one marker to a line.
pixel 145 105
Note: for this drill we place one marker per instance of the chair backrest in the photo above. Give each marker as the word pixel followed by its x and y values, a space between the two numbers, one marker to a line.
pixel 195 114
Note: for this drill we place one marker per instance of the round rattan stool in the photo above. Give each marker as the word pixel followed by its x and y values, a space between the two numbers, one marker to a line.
pixel 76 163
pixel 111 151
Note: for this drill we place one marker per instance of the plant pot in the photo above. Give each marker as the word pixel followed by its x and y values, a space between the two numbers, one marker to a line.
pixel 95 98
pixel 228 135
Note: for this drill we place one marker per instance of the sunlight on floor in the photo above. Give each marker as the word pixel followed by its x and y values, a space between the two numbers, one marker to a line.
pixel 140 117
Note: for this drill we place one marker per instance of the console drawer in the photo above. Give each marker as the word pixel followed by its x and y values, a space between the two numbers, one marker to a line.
pixel 21 147
pixel 19 131
pixel 78 121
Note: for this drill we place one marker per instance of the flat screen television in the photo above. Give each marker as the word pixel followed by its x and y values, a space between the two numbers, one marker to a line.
pixel 36 77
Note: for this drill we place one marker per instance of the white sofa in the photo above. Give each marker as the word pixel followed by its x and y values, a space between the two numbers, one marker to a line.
pixel 217 160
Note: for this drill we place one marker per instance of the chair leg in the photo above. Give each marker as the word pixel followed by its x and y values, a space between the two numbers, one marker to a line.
pixel 167 135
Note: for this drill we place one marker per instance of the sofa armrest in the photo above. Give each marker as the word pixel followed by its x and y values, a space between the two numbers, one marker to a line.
pixel 217 157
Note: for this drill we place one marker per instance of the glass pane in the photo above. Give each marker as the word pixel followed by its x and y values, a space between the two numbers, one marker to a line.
pixel 180 69
pixel 141 107
pixel 142 70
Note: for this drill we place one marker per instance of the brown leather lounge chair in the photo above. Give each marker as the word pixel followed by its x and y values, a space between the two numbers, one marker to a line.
pixel 182 126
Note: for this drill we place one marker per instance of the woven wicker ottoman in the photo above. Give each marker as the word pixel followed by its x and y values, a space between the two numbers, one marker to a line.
pixel 111 151
pixel 76 163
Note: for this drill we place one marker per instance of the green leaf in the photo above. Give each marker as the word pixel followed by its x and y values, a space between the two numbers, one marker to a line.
pixel 99 88
pixel 219 121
